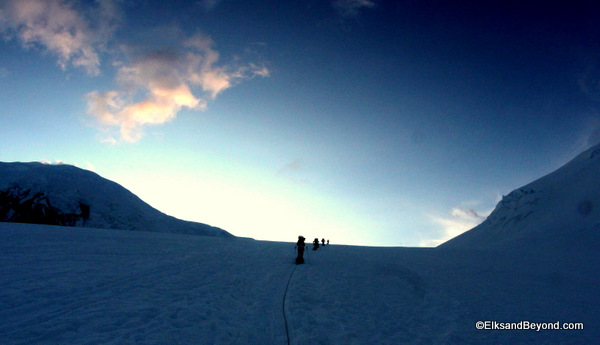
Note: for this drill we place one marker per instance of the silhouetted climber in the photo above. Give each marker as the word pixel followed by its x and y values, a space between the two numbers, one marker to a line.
pixel 300 246
pixel 327 242
pixel 316 244
pixel 323 241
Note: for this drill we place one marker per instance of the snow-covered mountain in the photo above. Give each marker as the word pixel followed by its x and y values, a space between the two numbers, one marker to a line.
pixel 559 209
pixel 69 196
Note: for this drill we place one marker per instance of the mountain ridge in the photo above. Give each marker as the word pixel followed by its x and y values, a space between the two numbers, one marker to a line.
pixel 70 196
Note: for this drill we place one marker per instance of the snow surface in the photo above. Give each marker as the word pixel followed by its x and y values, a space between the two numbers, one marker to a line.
pixel 64 285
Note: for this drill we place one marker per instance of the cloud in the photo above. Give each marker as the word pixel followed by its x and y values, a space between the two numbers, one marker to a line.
pixel 589 79
pixel 155 84
pixel 293 170
pixel 459 220
pixel 55 26
pixel 351 8
pixel 295 166
pixel 155 81
pixel 209 5
pixel 588 136
pixel 591 133
pixel 160 107
pixel 201 67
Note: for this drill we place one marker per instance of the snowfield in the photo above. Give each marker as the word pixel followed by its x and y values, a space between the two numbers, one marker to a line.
pixel 61 285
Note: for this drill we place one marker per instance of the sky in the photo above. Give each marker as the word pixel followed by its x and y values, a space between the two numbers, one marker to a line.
pixel 366 122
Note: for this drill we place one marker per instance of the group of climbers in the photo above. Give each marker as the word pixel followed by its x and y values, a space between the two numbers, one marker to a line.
pixel 301 245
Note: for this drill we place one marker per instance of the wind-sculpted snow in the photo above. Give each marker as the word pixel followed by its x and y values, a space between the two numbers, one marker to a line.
pixel 65 285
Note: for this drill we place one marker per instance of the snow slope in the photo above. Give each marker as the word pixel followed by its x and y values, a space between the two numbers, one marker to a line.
pixel 59 194
pixel 561 208
pixel 65 285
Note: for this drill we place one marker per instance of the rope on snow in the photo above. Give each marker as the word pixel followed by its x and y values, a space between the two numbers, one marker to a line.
pixel 287 331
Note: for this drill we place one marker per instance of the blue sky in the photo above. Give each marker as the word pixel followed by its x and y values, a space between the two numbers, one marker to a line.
pixel 367 122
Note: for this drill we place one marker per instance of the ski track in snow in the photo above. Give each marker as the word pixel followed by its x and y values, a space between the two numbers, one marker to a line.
pixel 87 286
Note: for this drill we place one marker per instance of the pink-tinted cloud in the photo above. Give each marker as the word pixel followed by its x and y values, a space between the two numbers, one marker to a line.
pixel 157 84
pixel 154 84
pixel 161 106
pixel 55 26
pixel 201 59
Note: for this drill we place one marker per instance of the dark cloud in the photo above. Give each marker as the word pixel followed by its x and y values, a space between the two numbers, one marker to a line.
pixel 351 8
